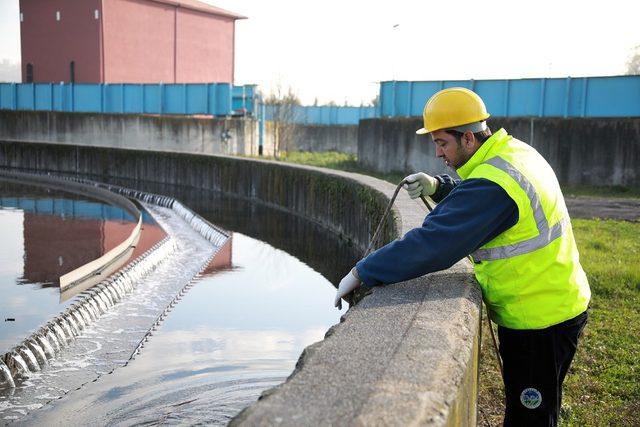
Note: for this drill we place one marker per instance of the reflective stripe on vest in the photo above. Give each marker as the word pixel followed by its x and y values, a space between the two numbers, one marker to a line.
pixel 545 235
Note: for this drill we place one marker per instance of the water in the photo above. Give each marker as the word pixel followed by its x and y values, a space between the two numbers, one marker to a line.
pixel 47 234
pixel 110 341
pixel 233 334
pixel 314 245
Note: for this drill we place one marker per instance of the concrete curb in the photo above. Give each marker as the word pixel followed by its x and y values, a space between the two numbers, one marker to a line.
pixel 407 354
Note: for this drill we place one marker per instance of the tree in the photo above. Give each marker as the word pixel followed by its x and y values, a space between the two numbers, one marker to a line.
pixel 283 105
pixel 281 97
pixel 633 65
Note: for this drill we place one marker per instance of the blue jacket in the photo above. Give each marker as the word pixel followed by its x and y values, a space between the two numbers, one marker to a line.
pixel 469 214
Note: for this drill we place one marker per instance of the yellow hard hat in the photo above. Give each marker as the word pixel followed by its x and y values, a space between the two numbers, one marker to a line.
pixel 454 108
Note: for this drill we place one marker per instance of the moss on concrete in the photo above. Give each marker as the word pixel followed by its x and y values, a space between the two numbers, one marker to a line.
pixel 339 203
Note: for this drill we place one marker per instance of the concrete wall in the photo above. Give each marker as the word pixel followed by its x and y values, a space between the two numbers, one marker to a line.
pixel 390 145
pixel 342 138
pixel 344 207
pixel 598 151
pixel 171 133
pixel 406 354
pixel 315 138
pixel 159 133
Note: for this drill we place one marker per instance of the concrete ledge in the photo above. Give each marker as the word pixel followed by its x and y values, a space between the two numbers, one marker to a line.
pixel 406 354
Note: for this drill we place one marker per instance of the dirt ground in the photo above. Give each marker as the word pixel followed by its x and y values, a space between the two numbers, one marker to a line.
pixel 592 207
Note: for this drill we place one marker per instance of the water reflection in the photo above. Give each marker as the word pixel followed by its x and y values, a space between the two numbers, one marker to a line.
pixel 110 341
pixel 313 244
pixel 234 334
pixel 223 259
pixel 48 233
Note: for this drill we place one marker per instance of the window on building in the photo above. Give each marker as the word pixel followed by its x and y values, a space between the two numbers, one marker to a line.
pixel 72 71
pixel 96 14
pixel 29 73
pixel 57 15
pixel 21 17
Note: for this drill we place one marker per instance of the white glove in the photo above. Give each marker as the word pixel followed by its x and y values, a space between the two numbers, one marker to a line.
pixel 347 284
pixel 420 183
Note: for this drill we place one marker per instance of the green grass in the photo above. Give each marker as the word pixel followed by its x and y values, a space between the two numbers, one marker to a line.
pixel 603 384
pixel 330 159
pixel 340 161
pixel 604 387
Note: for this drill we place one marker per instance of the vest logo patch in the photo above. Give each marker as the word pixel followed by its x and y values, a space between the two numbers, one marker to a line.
pixel 530 398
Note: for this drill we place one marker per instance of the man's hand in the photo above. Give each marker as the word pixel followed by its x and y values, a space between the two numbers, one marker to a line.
pixel 347 285
pixel 420 183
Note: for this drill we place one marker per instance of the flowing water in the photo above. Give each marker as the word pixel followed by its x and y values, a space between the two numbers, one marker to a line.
pixel 210 345
pixel 47 234
pixel 314 245
pixel 235 333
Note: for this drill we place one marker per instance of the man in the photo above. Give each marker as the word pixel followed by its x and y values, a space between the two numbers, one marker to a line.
pixel 509 214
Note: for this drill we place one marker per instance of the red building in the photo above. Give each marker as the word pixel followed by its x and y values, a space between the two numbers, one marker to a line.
pixel 126 41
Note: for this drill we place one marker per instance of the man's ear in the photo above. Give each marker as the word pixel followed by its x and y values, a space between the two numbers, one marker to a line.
pixel 469 138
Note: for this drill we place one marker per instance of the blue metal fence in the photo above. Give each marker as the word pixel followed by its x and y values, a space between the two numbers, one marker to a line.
pixel 218 99
pixel 617 96
pixel 320 115
pixel 566 97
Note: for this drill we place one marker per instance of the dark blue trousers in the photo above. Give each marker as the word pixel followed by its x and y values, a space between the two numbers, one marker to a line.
pixel 535 363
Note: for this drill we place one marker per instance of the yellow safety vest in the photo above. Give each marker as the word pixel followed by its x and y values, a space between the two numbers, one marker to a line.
pixel 530 274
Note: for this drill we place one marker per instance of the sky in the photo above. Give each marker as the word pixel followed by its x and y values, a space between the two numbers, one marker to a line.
pixel 338 51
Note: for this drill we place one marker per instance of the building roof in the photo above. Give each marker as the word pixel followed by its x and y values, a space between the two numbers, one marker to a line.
pixel 201 7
